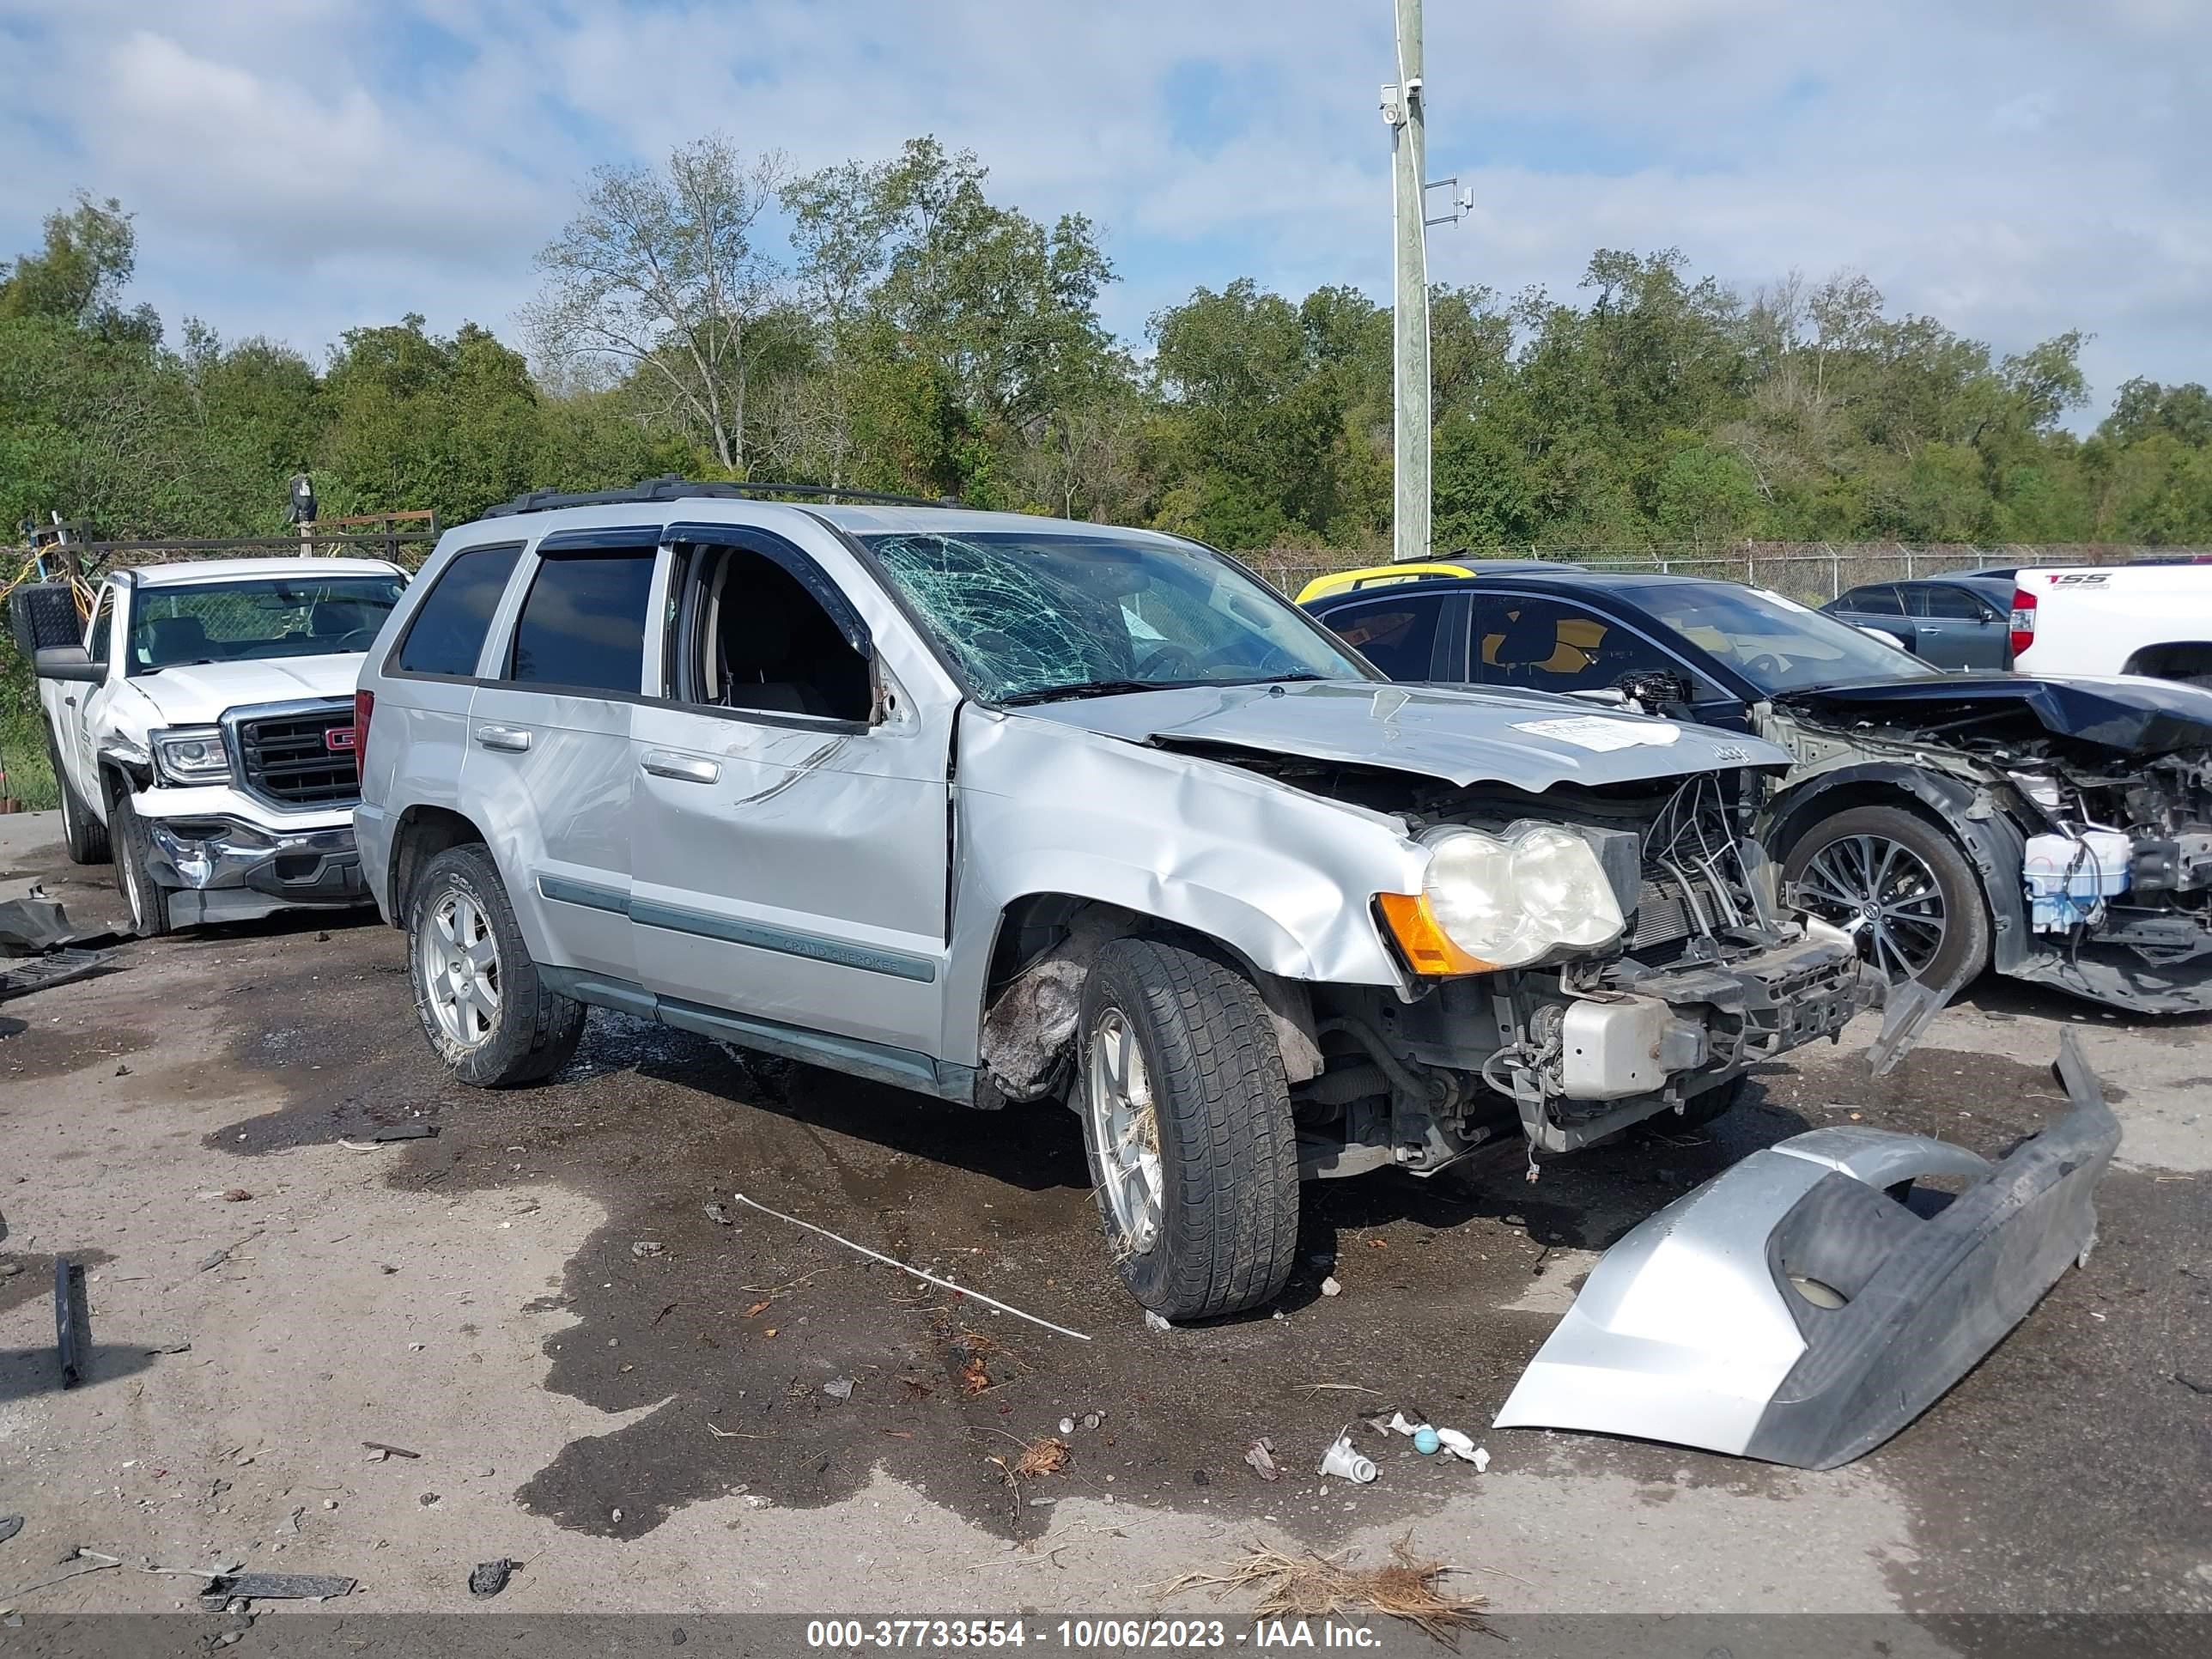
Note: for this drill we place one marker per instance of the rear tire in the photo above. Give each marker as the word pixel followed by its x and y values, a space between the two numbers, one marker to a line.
pixel 1187 1118
pixel 86 836
pixel 134 850
pixel 1897 861
pixel 483 1004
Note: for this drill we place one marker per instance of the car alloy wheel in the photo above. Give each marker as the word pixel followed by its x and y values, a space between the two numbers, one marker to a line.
pixel 1124 1128
pixel 1884 895
pixel 458 959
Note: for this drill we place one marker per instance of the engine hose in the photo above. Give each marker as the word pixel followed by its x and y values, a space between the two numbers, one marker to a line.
pixel 1396 1069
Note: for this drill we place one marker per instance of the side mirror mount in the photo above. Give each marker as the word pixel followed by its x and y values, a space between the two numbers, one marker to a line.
pixel 67 662
pixel 1654 688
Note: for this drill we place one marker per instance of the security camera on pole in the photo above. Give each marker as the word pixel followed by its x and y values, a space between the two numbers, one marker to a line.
pixel 1405 103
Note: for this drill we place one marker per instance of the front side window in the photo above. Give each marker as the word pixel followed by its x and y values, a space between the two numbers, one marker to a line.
pixel 1034 617
pixel 1547 644
pixel 1947 605
pixel 178 627
pixel 1398 637
pixel 447 633
pixel 583 622
pixel 748 635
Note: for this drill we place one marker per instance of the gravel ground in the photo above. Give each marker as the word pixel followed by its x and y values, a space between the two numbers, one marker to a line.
pixel 647 1405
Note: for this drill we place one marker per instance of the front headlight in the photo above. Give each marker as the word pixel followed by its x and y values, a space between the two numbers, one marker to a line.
pixel 1493 900
pixel 191 754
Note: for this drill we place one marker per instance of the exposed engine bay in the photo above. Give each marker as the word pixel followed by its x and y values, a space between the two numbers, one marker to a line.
pixel 2094 841
pixel 1706 976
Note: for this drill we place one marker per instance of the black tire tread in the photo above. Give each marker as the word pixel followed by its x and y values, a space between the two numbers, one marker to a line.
pixel 1230 1220
pixel 86 836
pixel 133 846
pixel 530 1048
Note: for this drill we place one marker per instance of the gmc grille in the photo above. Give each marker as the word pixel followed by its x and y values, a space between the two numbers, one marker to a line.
pixel 287 761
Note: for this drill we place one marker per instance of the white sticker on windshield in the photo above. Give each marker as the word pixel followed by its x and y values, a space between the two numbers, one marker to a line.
pixel 1595 732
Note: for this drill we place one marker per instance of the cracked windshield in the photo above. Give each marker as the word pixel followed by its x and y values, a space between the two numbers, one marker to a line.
pixel 1031 618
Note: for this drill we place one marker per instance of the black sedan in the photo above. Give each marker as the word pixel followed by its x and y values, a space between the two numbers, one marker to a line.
pixel 2058 831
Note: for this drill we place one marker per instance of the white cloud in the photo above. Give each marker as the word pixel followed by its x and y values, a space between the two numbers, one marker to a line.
pixel 2016 166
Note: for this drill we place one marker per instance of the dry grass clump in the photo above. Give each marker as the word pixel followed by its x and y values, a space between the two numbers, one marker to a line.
pixel 1323 1586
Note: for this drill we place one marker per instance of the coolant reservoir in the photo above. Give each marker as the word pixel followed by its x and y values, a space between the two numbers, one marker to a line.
pixel 2066 875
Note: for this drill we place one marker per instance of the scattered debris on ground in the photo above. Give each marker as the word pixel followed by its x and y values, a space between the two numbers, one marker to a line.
pixel 40 948
pixel 1260 1455
pixel 1327 1587
pixel 490 1577
pixel 384 1451
pixel 10 1526
pixel 839 1388
pixel 1330 1287
pixel 719 1216
pixel 86 1561
pixel 276 1587
pixel 72 1321
pixel 1347 1462
pixel 1041 1457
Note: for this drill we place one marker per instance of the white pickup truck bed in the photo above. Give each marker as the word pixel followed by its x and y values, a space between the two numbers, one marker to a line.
pixel 2152 619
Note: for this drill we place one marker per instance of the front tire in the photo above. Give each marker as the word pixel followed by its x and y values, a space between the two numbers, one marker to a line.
pixel 1901 887
pixel 1187 1119
pixel 483 1004
pixel 85 834
pixel 134 850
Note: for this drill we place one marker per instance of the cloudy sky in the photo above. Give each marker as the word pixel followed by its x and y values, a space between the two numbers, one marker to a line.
pixel 2014 166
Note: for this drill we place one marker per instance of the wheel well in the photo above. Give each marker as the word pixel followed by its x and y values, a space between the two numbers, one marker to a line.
pixel 1797 819
pixel 423 833
pixel 1066 928
pixel 2171 661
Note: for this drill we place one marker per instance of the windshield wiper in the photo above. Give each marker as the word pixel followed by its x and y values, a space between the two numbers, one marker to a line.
pixel 186 662
pixel 1121 688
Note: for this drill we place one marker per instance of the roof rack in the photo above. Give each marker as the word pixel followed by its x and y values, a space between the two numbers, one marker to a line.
pixel 669 488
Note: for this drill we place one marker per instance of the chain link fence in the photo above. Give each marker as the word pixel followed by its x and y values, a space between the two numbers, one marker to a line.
pixel 1810 572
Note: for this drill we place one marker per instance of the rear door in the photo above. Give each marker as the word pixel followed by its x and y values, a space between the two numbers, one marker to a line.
pixel 792 800
pixel 547 767
pixel 1954 627
pixel 1876 605
pixel 1409 636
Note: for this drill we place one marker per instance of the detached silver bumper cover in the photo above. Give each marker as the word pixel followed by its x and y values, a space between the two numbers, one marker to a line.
pixel 1793 1308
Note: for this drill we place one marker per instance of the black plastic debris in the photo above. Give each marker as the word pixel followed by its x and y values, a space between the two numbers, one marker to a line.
pixel 276 1587
pixel 72 1321
pixel 10 1526
pixel 406 1132
pixel 490 1576
pixel 40 948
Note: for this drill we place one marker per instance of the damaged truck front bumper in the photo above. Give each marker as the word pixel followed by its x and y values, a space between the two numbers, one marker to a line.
pixel 226 869
pixel 1808 1303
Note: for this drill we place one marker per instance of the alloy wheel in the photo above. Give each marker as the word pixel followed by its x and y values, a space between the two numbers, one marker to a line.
pixel 1884 895
pixel 458 959
pixel 1125 1129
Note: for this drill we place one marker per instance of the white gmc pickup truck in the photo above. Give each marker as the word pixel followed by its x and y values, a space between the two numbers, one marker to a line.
pixel 201 727
pixel 2152 619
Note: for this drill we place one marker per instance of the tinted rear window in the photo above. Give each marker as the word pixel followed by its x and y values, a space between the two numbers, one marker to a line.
pixel 447 633
pixel 584 622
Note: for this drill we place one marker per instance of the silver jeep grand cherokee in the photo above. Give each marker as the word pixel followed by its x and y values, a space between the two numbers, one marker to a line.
pixel 1004 809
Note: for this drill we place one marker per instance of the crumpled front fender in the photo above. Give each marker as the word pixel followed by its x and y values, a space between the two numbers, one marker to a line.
pixel 1792 1309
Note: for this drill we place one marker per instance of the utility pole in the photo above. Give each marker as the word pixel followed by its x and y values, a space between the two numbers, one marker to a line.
pixel 1404 109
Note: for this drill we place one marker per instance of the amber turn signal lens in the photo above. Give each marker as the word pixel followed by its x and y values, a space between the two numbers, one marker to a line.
pixel 1428 948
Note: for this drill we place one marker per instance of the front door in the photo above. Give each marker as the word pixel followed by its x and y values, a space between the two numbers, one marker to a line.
pixel 1954 629
pixel 791 807
pixel 1545 644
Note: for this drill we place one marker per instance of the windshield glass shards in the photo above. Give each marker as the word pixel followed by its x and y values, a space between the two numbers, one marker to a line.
pixel 1032 616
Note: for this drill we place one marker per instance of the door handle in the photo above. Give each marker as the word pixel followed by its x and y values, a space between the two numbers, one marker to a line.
pixel 502 737
pixel 682 769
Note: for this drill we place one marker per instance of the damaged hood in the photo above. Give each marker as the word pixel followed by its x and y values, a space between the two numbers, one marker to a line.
pixel 2126 713
pixel 192 696
pixel 1526 740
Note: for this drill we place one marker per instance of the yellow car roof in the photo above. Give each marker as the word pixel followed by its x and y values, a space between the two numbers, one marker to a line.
pixel 1375 576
